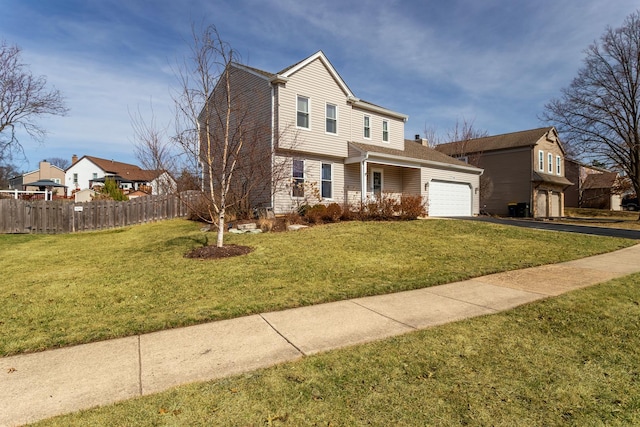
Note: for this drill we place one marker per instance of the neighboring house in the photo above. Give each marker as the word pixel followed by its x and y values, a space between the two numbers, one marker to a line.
pixel 593 187
pixel 339 148
pixel 89 172
pixel 45 171
pixel 524 168
pixel 598 192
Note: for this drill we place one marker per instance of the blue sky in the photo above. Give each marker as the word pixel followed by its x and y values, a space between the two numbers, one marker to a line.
pixel 493 62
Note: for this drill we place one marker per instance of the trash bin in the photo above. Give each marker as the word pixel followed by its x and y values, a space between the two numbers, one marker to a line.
pixel 513 208
pixel 522 210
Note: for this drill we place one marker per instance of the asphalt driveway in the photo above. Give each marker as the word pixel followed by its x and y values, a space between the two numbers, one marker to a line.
pixel 554 226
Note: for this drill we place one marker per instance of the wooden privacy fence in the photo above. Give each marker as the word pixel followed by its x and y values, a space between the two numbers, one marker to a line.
pixel 61 216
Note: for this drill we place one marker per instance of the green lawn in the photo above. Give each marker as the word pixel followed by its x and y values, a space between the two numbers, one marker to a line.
pixel 567 361
pixel 67 289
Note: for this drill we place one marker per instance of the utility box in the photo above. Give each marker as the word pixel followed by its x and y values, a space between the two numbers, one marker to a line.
pixel 513 209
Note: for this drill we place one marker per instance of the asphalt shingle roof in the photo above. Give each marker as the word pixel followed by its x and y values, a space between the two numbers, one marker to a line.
pixel 412 150
pixel 497 142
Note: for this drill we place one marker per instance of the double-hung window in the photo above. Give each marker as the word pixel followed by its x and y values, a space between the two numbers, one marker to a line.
pixel 303 112
pixel 550 162
pixel 332 119
pixel 297 181
pixel 558 165
pixel 540 160
pixel 75 178
pixel 385 131
pixel 367 127
pixel 327 184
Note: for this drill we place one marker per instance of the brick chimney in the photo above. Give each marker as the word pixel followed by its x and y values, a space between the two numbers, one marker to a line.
pixel 74 159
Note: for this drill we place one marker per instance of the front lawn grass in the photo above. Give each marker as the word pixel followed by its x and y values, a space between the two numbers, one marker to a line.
pixel 67 289
pixel 572 360
pixel 602 218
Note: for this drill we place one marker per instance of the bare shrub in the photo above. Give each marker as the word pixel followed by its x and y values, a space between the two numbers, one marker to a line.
pixel 265 224
pixel 333 212
pixel 412 207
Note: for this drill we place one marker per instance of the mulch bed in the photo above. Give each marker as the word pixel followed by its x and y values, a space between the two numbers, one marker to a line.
pixel 214 252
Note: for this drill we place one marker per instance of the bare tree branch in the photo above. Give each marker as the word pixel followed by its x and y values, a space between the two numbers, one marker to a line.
pixel 23 99
pixel 600 110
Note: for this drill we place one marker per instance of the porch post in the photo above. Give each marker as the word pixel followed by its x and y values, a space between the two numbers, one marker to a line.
pixel 363 181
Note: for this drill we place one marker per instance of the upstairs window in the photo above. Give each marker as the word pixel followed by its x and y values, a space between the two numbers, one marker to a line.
pixel 558 165
pixel 332 119
pixel 367 127
pixel 297 181
pixel 540 161
pixel 550 162
pixel 303 112
pixel 75 178
pixel 327 184
pixel 385 131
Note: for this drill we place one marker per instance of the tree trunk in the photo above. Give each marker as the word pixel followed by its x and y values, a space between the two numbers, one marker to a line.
pixel 220 239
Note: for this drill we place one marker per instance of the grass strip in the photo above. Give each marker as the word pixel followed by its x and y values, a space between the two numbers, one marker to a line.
pixel 567 361
pixel 60 290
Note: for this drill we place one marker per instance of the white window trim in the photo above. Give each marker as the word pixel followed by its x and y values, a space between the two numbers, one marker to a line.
pixel 365 127
pixel 550 162
pixel 558 165
pixel 540 160
pixel 293 178
pixel 308 112
pixel 330 180
pixel 383 131
pixel 327 117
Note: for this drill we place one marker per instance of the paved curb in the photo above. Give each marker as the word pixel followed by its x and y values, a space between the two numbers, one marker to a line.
pixel 41 385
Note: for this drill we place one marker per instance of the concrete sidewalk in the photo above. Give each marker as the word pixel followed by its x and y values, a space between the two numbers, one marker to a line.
pixel 41 385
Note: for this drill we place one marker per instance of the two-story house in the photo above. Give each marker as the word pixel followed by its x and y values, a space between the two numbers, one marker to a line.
pixel 45 171
pixel 90 171
pixel 524 168
pixel 338 148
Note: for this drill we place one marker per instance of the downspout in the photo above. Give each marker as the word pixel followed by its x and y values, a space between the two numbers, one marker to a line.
pixel 273 154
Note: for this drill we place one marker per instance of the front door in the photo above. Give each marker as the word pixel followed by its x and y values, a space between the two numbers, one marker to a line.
pixel 377 183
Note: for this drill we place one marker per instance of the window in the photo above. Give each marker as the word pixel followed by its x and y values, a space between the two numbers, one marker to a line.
pixel 298 178
pixel 367 127
pixel 558 165
pixel 56 180
pixel 75 178
pixel 326 181
pixel 332 119
pixel 95 175
pixel 540 161
pixel 385 130
pixel 303 112
pixel 550 162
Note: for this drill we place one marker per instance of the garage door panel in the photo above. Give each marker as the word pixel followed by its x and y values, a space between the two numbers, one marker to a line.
pixel 449 199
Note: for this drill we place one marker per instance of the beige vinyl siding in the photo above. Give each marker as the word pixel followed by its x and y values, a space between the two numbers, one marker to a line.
pixel 442 174
pixel 285 202
pixel 352 183
pixel 315 82
pixel 251 96
pixel 396 129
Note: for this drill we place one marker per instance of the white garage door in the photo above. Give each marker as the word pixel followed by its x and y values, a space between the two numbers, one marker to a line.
pixel 449 199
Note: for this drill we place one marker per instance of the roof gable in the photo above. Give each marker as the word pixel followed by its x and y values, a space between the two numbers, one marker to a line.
pixel 108 166
pixel 318 56
pixel 526 138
